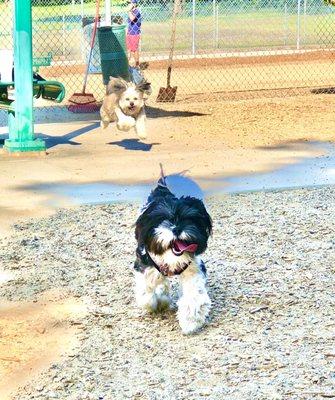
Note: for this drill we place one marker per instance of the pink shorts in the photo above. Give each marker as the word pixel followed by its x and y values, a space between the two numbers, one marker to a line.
pixel 132 42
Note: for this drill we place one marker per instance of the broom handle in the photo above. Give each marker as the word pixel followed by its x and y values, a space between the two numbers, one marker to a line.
pixel 173 39
pixel 94 33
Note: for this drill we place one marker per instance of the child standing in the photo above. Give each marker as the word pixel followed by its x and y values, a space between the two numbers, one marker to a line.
pixel 134 33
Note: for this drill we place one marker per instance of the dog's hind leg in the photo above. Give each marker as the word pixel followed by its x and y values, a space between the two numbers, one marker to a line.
pixel 194 304
pixel 151 290
pixel 105 118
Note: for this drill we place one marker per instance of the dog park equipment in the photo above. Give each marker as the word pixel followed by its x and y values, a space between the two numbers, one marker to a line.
pixel 168 94
pixel 42 61
pixel 113 53
pixel 85 102
pixel 20 110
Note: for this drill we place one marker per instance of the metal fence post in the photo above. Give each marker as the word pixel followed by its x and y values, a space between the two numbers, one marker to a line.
pixel 108 18
pixel 214 23
pixel 63 34
pixel 193 27
pixel 305 12
pixel 298 24
pixel 217 27
pixel 285 24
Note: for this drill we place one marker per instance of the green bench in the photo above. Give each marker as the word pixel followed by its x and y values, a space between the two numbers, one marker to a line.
pixel 48 90
pixel 42 61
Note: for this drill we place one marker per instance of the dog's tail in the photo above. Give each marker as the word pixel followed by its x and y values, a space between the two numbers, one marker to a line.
pixel 161 190
pixel 162 179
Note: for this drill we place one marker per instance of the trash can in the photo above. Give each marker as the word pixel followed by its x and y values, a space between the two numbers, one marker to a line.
pixel 113 52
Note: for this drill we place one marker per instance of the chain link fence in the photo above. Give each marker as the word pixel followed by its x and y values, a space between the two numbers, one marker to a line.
pixel 220 45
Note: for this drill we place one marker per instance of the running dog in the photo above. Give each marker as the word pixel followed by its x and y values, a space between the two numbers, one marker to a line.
pixel 124 104
pixel 171 233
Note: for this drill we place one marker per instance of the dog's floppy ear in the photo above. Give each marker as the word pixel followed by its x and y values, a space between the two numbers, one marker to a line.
pixel 144 87
pixel 116 85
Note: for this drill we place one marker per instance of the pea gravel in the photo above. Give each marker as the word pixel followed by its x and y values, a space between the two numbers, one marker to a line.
pixel 271 332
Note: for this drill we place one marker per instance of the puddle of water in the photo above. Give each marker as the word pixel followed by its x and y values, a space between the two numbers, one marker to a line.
pixel 101 192
pixel 95 193
pixel 309 172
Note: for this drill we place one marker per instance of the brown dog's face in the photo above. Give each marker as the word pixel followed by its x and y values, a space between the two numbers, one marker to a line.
pixel 130 97
pixel 131 101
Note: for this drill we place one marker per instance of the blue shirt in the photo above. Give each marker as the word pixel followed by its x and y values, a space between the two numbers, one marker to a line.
pixel 134 27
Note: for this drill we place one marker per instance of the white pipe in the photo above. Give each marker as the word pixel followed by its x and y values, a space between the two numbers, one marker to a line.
pixel 217 27
pixel 285 25
pixel 214 22
pixel 193 27
pixel 63 34
pixel 298 25
pixel 305 12
pixel 108 18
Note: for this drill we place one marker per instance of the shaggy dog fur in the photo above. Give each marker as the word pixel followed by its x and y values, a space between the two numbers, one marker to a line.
pixel 124 104
pixel 172 232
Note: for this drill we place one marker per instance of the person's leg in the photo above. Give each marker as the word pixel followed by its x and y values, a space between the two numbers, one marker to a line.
pixel 137 57
pixel 133 50
pixel 129 49
pixel 132 59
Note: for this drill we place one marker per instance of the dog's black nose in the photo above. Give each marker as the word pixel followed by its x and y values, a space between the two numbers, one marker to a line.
pixel 131 103
pixel 176 231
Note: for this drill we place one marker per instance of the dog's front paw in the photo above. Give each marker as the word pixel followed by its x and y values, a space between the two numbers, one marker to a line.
pixel 163 298
pixel 126 123
pixel 192 312
pixel 148 302
pixel 152 302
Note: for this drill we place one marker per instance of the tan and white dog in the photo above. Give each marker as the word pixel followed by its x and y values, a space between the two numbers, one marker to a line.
pixel 124 104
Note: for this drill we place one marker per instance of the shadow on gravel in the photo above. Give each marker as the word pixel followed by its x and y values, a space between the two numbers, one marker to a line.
pixel 3 137
pixel 52 141
pixel 328 90
pixel 134 144
pixel 300 144
pixel 155 112
pixel 217 292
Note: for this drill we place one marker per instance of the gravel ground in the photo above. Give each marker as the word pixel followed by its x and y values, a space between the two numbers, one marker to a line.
pixel 271 278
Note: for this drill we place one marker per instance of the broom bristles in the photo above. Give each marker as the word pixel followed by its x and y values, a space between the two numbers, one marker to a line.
pixel 82 98
pixel 84 108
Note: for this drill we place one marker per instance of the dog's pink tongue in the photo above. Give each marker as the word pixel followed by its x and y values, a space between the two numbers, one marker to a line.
pixel 182 246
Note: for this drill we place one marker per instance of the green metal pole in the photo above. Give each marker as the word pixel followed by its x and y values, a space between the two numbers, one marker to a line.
pixel 21 126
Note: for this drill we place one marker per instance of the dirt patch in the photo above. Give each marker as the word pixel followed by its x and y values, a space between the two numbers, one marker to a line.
pixel 270 335
pixel 34 335
pixel 312 69
pixel 232 61
pixel 208 61
pixel 207 136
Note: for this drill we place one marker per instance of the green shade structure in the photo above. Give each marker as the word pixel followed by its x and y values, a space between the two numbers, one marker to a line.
pixel 20 119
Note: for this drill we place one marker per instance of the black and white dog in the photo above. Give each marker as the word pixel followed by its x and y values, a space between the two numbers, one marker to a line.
pixel 171 233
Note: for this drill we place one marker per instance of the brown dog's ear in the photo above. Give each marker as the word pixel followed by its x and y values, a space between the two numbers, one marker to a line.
pixel 116 85
pixel 144 87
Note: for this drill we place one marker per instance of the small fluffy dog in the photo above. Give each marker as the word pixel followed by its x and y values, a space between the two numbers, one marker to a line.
pixel 171 234
pixel 124 104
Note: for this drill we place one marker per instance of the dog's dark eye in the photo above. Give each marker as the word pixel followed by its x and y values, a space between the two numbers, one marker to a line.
pixel 135 98
pixel 127 98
